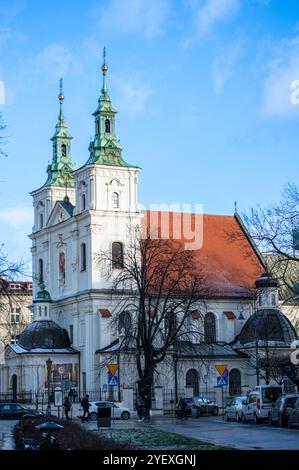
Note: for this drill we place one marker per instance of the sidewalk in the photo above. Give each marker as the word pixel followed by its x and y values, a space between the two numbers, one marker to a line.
pixel 6 435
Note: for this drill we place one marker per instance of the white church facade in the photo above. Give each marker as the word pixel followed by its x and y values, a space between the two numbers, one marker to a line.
pixel 81 212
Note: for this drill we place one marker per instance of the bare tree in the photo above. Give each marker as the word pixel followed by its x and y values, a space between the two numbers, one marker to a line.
pixel 159 287
pixel 2 128
pixel 272 229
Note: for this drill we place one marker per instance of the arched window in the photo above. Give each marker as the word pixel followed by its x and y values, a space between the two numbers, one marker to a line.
pixel 117 255
pixel 115 200
pixel 40 271
pixel 83 257
pixel 210 328
pixel 97 127
pixel 192 381
pixel 41 221
pixel 124 323
pixel 234 382
pixel 63 150
pixel 46 311
pixel 39 311
pixel 107 126
pixel 260 299
pixel 55 150
pixel 83 202
pixel 273 300
pixel 62 267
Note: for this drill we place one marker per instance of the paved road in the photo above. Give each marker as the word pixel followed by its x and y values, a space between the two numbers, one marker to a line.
pixel 6 434
pixel 240 436
pixel 216 431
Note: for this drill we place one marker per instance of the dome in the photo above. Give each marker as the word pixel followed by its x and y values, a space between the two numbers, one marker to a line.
pixel 266 280
pixel 267 325
pixel 43 296
pixel 44 335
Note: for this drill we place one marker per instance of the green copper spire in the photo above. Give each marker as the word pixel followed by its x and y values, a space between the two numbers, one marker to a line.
pixel 61 168
pixel 105 149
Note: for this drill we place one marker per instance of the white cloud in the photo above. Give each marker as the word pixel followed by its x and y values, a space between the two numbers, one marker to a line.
pixel 146 17
pixel 54 61
pixel 223 65
pixel 282 70
pixel 134 94
pixel 19 217
pixel 210 12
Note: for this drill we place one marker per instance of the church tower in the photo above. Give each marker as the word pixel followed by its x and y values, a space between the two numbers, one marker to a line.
pixel 58 186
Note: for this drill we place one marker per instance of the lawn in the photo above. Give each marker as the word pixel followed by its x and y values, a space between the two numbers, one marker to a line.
pixel 155 439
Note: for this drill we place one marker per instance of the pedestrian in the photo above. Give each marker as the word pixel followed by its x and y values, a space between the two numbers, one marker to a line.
pixel 181 408
pixel 85 405
pixel 71 394
pixel 67 407
pixel 140 408
pixel 147 407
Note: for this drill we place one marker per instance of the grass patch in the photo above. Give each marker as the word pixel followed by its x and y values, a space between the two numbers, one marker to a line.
pixel 154 439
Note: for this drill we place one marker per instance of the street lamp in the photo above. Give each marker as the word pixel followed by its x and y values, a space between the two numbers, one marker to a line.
pixel 49 363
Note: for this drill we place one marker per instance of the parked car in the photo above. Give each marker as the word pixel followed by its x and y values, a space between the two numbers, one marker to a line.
pixel 205 406
pixel 116 411
pixel 187 412
pixel 279 413
pixel 16 411
pixel 234 410
pixel 293 418
pixel 259 402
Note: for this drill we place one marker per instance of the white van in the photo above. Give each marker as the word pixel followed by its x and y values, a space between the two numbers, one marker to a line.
pixel 259 401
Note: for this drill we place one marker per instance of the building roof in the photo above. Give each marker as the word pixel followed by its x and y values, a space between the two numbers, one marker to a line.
pixel 267 325
pixel 44 335
pixel 20 350
pixel 228 257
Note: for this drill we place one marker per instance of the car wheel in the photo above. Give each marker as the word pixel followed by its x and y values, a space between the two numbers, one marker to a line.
pixel 93 416
pixel 125 415
pixel 215 411
pixel 244 420
pixel 238 419
pixel 256 419
pixel 226 418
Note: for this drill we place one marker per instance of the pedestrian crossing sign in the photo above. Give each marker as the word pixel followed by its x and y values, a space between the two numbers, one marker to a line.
pixel 113 380
pixel 222 380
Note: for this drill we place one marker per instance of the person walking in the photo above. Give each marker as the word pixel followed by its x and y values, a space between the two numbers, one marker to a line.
pixel 140 408
pixel 67 407
pixel 85 405
pixel 181 408
pixel 147 407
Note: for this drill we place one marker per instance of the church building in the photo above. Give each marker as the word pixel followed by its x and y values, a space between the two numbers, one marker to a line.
pixel 81 212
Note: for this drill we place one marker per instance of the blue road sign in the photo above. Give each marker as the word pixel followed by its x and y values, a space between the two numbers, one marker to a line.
pixel 222 380
pixel 113 380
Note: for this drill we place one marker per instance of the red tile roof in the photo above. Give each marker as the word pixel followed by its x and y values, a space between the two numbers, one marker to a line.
pixel 229 315
pixel 105 313
pixel 228 257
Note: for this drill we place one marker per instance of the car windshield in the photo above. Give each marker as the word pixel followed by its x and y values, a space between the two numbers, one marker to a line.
pixel 290 401
pixel 271 394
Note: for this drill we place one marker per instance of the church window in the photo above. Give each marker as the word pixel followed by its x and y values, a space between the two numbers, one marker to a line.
pixel 260 299
pixel 107 126
pixel 234 383
pixel 63 150
pixel 210 328
pixel 83 202
pixel 46 312
pixel 39 311
pixel 97 127
pixel 117 255
pixel 83 257
pixel 273 300
pixel 62 267
pixel 192 381
pixel 40 271
pixel 55 150
pixel 124 323
pixel 115 200
pixel 41 221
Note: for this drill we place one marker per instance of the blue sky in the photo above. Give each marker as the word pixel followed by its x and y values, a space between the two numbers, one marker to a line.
pixel 202 88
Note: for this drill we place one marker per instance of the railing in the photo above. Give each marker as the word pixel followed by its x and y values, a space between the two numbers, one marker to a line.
pixel 12 397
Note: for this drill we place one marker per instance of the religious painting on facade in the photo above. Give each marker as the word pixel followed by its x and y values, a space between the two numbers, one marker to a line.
pixel 63 375
pixel 62 267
